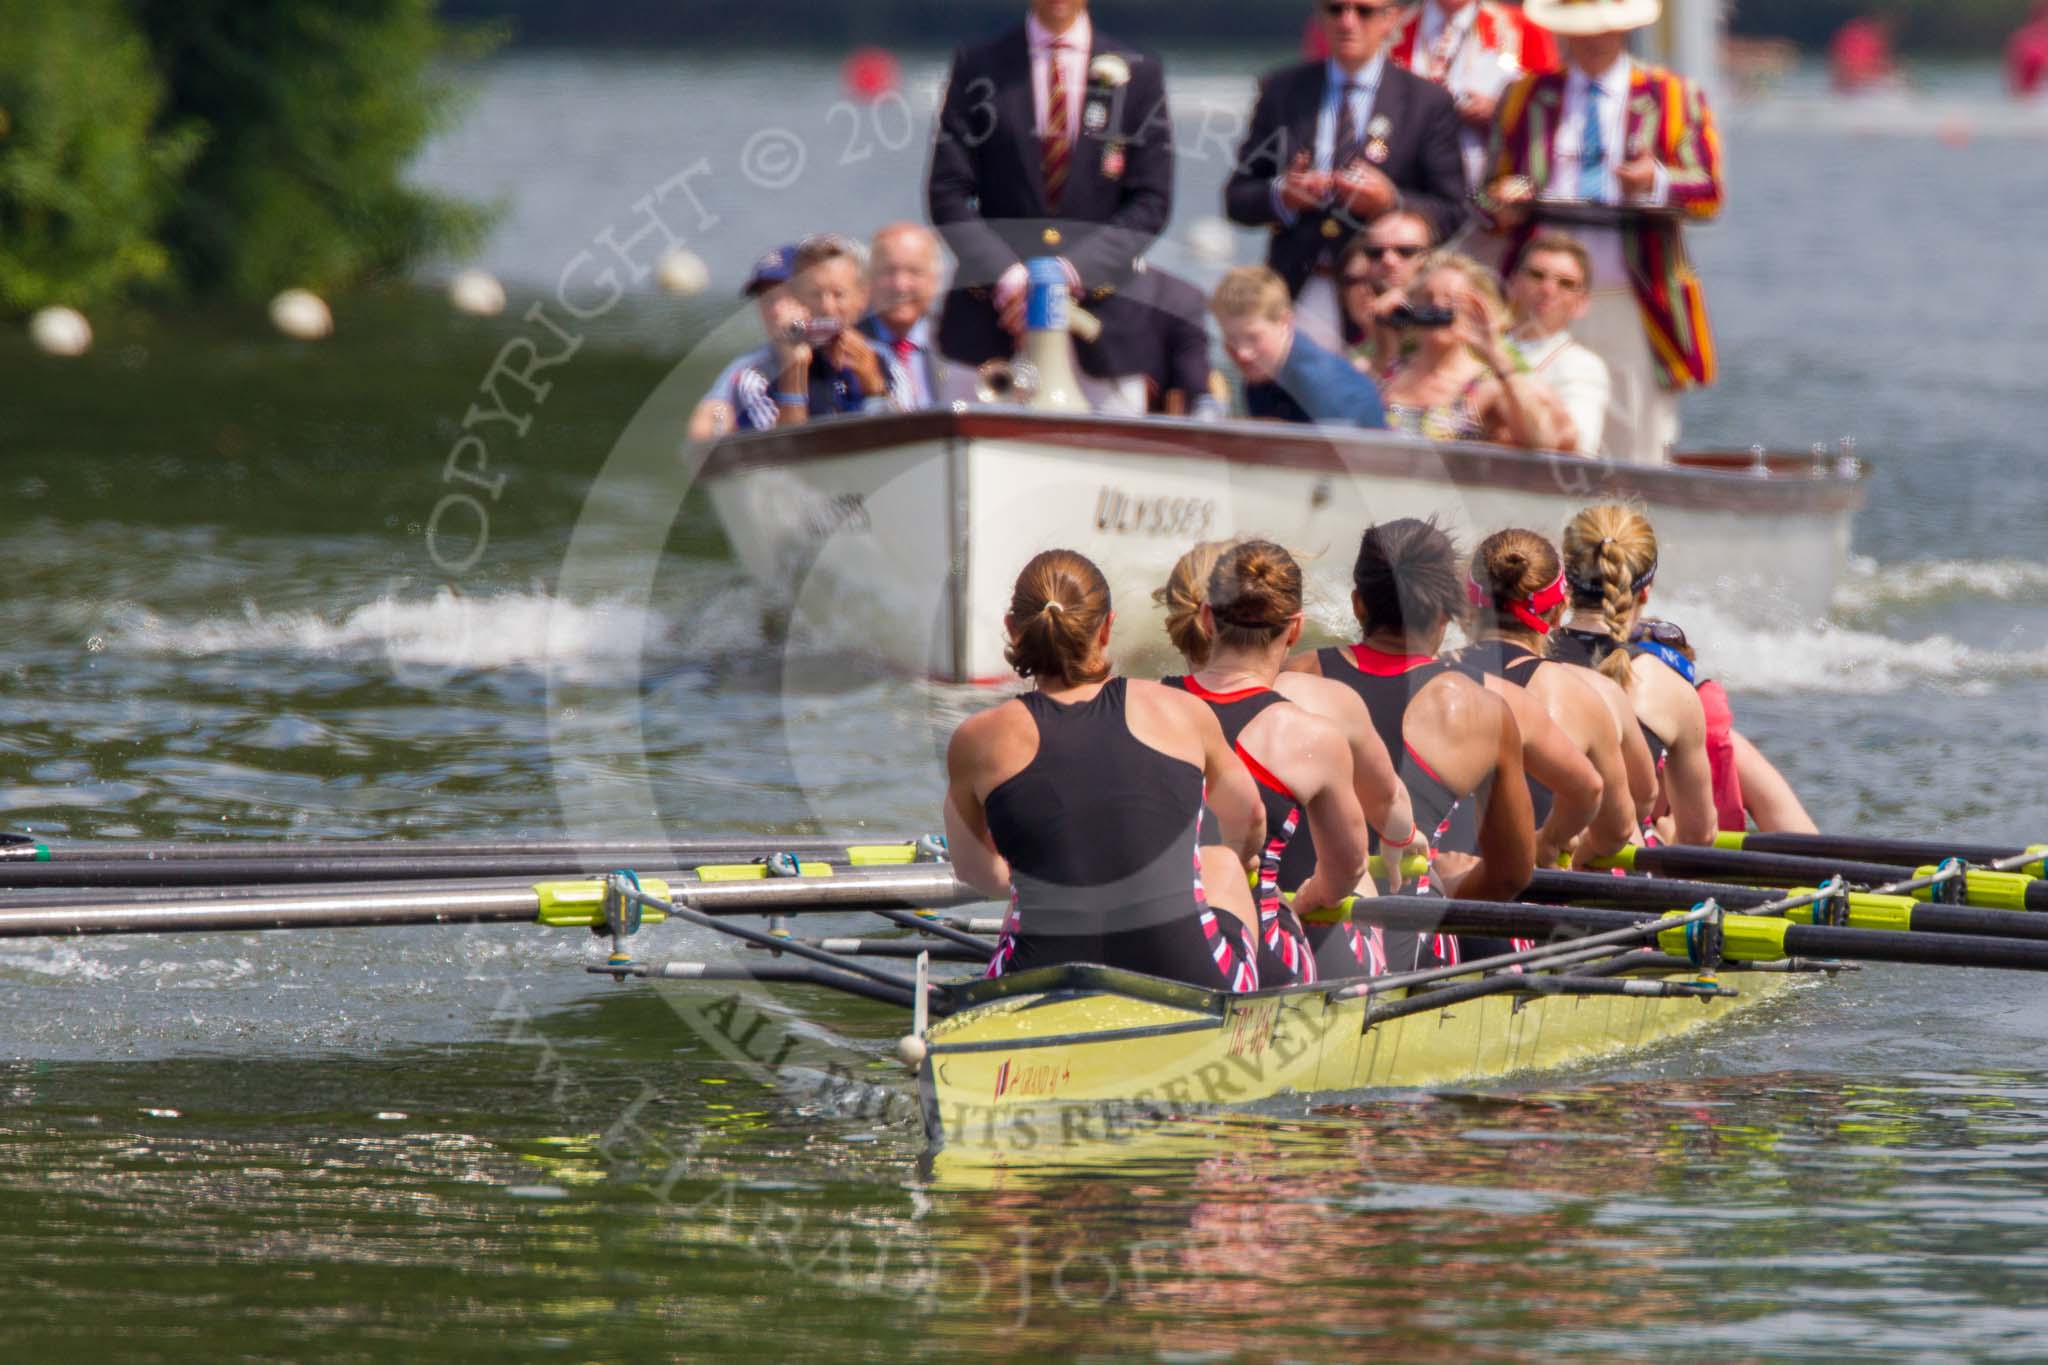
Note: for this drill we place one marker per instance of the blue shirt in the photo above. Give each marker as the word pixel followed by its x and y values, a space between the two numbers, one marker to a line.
pixel 1318 386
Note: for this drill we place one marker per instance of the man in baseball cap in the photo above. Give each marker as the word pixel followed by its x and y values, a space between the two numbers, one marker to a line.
pixel 766 279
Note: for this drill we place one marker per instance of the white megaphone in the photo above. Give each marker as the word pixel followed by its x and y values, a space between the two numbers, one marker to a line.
pixel 1048 344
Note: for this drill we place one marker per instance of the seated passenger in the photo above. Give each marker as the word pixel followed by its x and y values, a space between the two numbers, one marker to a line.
pixel 817 364
pixel 714 414
pixel 1373 274
pixel 903 282
pixel 1463 383
pixel 1547 295
pixel 1080 802
pixel 1287 377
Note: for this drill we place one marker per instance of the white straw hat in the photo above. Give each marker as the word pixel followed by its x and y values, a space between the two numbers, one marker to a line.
pixel 1576 18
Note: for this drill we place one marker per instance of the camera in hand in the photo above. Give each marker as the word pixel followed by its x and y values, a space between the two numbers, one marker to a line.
pixel 812 332
pixel 1421 315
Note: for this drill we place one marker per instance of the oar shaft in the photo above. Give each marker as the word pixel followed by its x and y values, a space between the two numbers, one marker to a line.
pixel 1769 869
pixel 1799 940
pixel 397 866
pixel 1913 852
pixel 924 886
pixel 1991 890
pixel 1655 893
pixel 740 847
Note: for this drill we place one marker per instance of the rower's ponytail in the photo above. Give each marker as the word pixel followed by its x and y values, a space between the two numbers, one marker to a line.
pixel 1610 554
pixel 1184 593
pixel 1057 611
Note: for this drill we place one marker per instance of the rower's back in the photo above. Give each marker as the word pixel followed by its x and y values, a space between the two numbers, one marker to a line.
pixel 1082 798
pixel 1099 827
pixel 1450 739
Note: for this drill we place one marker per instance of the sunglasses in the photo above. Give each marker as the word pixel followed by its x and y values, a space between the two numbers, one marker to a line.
pixel 1663 633
pixel 1406 253
pixel 1337 9
pixel 1564 282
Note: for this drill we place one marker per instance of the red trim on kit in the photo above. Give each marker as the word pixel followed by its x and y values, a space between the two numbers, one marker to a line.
pixel 1262 776
pixel 1424 766
pixel 1378 663
pixel 1220 697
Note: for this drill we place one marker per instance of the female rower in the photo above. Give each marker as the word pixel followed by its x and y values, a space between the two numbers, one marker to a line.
pixel 1517 594
pixel 1610 560
pixel 1747 786
pixel 1453 741
pixel 1233 611
pixel 1081 800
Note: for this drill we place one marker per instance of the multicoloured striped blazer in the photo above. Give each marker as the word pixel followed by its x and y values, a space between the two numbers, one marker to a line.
pixel 1667 117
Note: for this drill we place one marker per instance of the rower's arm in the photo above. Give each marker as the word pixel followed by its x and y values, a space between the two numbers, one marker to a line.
pixel 1507 834
pixel 1337 826
pixel 1689 776
pixel 968 841
pixel 1615 823
pixel 1766 795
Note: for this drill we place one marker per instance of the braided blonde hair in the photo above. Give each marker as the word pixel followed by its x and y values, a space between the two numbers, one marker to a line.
pixel 1612 547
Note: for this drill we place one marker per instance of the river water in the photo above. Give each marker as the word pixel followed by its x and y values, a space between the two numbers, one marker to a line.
pixel 225 620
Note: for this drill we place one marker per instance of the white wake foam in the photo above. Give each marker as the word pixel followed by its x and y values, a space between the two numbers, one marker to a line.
pixel 447 631
pixel 1831 657
pixel 1869 586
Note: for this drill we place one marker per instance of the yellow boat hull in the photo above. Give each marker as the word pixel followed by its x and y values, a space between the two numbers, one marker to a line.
pixel 1083 1054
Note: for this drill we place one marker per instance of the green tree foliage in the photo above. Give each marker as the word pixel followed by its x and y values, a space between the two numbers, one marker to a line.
pixel 313 110
pixel 85 177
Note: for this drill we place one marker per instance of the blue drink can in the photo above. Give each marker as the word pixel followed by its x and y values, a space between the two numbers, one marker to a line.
pixel 1045 295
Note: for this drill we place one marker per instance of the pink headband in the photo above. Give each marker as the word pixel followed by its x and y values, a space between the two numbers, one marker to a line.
pixel 1530 612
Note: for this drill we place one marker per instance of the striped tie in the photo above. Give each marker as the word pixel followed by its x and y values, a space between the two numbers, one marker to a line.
pixel 1056 150
pixel 1593 152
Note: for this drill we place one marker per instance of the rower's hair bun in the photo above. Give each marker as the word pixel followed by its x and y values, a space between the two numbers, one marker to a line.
pixel 1515 563
pixel 1057 610
pixel 1254 593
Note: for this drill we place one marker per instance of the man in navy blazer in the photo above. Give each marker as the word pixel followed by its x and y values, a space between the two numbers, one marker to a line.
pixel 1334 144
pixel 1016 173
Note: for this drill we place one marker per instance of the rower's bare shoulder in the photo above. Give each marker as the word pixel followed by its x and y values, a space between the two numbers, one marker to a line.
pixel 1322 695
pixel 980 737
pixel 1160 700
pixel 1309 661
pixel 1459 701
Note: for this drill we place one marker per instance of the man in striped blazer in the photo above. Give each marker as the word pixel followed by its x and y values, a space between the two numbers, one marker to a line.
pixel 1608 130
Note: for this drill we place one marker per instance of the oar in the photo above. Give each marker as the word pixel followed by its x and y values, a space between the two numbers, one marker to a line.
pixel 1988 888
pixel 571 902
pixel 297 865
pixel 1912 852
pixel 1746 938
pixel 1865 910
pixel 617 852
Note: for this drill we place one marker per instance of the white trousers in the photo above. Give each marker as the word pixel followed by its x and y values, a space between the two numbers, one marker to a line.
pixel 1642 415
